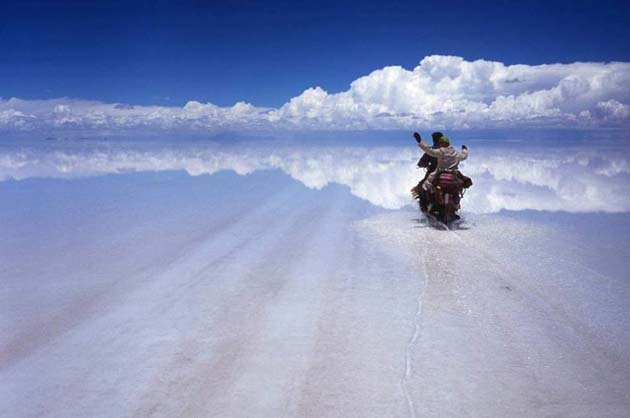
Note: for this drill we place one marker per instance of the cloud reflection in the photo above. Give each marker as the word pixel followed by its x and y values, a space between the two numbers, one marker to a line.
pixel 567 179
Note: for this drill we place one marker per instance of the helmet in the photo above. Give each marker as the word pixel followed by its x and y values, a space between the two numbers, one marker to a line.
pixel 444 141
pixel 436 137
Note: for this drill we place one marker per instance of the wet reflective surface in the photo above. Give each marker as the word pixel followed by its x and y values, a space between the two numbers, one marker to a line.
pixel 293 281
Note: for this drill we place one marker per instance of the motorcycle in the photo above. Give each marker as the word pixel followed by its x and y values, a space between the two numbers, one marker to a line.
pixel 449 187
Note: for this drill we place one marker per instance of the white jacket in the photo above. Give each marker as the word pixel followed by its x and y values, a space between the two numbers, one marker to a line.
pixel 448 157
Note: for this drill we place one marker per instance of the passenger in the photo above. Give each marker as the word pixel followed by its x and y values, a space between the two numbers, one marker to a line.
pixel 430 163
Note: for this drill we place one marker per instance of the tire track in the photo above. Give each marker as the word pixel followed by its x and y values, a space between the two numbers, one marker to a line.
pixel 211 377
pixel 99 299
pixel 417 328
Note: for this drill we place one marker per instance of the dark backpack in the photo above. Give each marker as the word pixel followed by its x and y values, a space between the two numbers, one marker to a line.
pixel 465 181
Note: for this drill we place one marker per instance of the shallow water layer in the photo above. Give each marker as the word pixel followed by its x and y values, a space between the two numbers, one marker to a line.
pixel 571 176
pixel 161 294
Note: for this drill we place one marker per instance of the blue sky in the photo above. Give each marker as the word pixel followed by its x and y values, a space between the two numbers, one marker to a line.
pixel 168 53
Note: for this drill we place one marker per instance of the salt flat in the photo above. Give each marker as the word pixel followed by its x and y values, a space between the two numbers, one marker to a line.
pixel 160 294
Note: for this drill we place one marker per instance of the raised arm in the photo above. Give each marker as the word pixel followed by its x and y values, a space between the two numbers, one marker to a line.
pixel 464 153
pixel 427 148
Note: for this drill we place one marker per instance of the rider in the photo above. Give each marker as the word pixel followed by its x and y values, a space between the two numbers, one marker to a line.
pixel 430 163
pixel 447 157
pixel 427 161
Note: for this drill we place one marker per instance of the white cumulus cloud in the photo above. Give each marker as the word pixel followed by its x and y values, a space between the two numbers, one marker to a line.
pixel 442 92
pixel 450 92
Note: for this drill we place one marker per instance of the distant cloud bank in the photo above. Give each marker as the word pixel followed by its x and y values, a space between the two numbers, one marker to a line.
pixel 442 92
